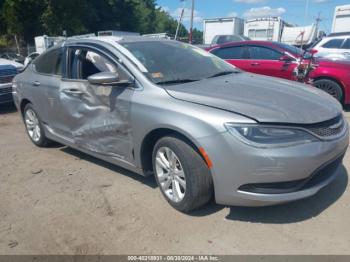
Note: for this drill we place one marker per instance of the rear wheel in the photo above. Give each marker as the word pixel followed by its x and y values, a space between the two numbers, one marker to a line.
pixel 331 87
pixel 182 175
pixel 34 127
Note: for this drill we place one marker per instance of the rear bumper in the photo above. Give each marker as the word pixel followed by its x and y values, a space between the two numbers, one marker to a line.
pixel 236 165
pixel 6 93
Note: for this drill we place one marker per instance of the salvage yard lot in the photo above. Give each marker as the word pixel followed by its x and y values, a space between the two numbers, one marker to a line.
pixel 60 201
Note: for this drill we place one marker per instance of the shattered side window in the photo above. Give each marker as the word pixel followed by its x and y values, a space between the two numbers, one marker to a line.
pixel 84 63
pixel 100 62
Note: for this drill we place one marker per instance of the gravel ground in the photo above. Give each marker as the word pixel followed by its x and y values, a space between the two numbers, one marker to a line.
pixel 60 201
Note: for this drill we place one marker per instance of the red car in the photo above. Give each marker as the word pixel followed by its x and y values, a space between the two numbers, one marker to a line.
pixel 281 60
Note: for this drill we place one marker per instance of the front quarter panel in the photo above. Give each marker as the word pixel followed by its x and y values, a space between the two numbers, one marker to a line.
pixel 153 108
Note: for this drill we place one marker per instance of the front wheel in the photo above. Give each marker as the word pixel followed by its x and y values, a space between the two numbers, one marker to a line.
pixel 330 87
pixel 182 175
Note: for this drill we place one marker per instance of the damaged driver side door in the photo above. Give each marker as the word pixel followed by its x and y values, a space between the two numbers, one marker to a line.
pixel 94 117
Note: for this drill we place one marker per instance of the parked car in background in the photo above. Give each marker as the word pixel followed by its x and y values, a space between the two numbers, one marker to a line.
pixel 13 57
pixel 222 39
pixel 251 140
pixel 282 60
pixel 221 26
pixel 335 46
pixel 8 70
pixel 31 57
pixel 332 77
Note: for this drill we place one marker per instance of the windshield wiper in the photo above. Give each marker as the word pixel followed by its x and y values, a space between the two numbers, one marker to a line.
pixel 176 81
pixel 224 73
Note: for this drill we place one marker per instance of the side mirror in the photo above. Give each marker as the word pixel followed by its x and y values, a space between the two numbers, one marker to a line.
pixel 313 51
pixel 108 79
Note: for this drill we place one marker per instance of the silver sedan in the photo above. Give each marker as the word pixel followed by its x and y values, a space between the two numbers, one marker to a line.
pixel 201 126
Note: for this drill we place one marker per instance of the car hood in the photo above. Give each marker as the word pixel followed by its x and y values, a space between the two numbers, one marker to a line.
pixel 264 99
pixel 10 62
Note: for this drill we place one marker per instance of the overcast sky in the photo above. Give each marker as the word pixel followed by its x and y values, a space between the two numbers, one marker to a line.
pixel 300 12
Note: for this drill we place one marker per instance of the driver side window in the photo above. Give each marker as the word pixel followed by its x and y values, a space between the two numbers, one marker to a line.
pixel 263 53
pixel 83 63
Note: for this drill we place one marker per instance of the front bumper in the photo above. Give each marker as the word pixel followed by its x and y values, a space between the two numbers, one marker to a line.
pixel 236 165
pixel 6 93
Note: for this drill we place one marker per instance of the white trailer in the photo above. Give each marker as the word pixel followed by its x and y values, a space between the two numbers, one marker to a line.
pixel 117 33
pixel 42 43
pixel 265 29
pixel 341 20
pixel 300 36
pixel 221 26
pixel 158 36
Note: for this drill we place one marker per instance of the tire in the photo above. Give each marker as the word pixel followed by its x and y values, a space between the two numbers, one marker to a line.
pixel 331 87
pixel 198 182
pixel 34 127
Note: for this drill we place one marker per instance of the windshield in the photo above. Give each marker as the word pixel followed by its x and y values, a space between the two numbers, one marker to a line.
pixel 291 49
pixel 170 62
pixel 294 50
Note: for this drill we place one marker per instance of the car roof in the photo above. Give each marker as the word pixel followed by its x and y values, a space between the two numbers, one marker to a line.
pixel 335 37
pixel 247 42
pixel 339 34
pixel 114 39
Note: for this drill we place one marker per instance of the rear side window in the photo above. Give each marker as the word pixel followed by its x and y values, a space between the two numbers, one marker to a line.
pixel 346 44
pixel 233 52
pixel 334 43
pixel 263 53
pixel 50 63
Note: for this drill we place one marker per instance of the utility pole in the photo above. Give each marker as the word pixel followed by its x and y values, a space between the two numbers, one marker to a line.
pixel 191 26
pixel 306 9
pixel 318 20
pixel 180 21
pixel 17 45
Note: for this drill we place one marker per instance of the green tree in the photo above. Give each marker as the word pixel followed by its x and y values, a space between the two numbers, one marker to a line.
pixel 166 24
pixel 2 21
pixel 30 18
pixel 22 18
pixel 70 15
pixel 197 36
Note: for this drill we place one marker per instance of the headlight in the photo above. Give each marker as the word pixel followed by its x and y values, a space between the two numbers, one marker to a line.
pixel 269 136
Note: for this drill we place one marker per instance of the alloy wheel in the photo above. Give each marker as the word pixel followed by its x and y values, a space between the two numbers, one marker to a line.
pixel 170 174
pixel 32 125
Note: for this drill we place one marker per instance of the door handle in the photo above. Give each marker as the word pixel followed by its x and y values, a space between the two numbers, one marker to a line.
pixel 36 83
pixel 72 91
pixel 255 64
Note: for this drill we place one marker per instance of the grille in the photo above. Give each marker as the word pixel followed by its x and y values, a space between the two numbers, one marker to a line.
pixel 6 79
pixel 330 129
pixel 6 90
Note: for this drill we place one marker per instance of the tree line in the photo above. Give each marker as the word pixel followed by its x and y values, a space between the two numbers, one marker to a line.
pixel 26 19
